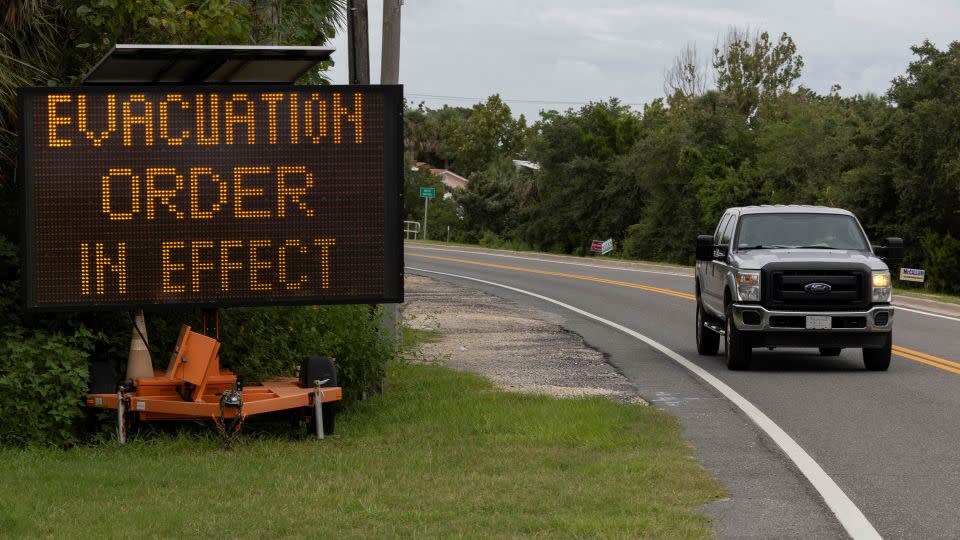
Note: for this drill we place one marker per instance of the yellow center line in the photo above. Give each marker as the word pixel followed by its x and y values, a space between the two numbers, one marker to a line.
pixel 927 362
pixel 648 288
pixel 902 352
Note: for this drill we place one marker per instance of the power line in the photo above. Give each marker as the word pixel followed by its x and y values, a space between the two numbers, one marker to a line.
pixel 531 101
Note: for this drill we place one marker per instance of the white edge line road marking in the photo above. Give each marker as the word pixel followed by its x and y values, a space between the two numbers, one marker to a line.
pixel 927 313
pixel 415 246
pixel 850 517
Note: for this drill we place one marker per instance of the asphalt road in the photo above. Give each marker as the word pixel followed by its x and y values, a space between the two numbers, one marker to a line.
pixel 889 440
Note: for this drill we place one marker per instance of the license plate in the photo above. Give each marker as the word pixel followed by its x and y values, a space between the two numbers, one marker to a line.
pixel 819 322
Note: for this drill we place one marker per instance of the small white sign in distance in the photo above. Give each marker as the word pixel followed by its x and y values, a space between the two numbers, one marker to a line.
pixel 607 246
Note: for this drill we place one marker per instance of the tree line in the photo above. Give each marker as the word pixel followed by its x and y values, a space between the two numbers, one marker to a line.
pixel 653 179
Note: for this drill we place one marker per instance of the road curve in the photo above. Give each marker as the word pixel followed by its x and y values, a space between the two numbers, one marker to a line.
pixel 886 439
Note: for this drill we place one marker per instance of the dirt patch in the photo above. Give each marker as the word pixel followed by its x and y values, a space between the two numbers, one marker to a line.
pixel 517 347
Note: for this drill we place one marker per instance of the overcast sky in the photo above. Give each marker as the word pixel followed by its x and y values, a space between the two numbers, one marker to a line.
pixel 539 53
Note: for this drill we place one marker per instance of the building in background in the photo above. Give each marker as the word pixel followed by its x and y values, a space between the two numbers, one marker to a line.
pixel 450 179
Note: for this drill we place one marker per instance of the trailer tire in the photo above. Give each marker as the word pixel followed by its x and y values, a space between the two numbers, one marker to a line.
pixel 317 368
pixel 329 419
pixel 102 379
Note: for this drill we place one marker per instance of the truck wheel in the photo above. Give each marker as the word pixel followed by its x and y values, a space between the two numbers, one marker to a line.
pixel 830 351
pixel 708 341
pixel 878 359
pixel 737 345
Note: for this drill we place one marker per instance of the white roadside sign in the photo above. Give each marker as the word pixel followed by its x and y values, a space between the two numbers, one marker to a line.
pixel 912 274
pixel 607 246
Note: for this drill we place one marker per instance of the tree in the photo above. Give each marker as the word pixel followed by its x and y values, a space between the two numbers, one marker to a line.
pixel 752 68
pixel 489 133
pixel 925 146
pixel 490 201
pixel 686 77
pixel 582 193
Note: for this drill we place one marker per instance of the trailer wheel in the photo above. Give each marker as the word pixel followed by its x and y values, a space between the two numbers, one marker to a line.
pixel 317 368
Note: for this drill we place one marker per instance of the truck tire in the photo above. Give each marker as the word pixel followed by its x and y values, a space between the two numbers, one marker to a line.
pixel 737 345
pixel 708 341
pixel 878 359
pixel 830 351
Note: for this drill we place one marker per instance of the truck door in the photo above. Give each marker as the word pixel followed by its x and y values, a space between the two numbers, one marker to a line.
pixel 708 279
pixel 720 268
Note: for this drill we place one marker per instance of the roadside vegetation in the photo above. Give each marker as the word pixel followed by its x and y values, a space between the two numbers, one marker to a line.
pixel 440 453
pixel 735 128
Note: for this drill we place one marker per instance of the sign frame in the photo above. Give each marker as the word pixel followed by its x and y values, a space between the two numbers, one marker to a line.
pixel 393 200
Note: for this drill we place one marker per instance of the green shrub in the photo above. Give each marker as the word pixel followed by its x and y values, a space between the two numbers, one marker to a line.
pixel 942 262
pixel 260 343
pixel 43 379
pixel 490 239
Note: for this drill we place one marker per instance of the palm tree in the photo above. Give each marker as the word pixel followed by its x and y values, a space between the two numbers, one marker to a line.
pixel 28 48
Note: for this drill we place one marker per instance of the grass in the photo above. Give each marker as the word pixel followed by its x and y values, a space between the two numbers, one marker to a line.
pixel 440 453
pixel 412 337
pixel 918 293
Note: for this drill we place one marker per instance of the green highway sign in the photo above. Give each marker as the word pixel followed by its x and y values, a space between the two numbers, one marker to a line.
pixel 428 192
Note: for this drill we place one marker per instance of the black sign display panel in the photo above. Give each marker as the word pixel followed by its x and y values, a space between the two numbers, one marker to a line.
pixel 211 195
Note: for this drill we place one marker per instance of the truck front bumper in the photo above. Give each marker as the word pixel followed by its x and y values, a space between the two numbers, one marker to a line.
pixel 766 328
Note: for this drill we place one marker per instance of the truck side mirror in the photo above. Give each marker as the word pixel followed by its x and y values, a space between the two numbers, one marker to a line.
pixel 892 253
pixel 705 247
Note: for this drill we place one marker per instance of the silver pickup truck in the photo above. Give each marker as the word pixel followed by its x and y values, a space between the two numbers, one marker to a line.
pixel 794 276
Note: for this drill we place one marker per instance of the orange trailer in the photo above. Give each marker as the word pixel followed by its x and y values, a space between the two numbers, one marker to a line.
pixel 194 386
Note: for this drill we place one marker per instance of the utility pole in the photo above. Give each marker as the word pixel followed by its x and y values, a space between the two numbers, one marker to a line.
pixel 390 74
pixel 390 64
pixel 358 42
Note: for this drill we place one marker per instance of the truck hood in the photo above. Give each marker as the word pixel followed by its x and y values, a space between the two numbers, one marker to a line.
pixel 757 258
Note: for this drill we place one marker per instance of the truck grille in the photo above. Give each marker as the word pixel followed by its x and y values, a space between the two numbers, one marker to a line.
pixel 784 288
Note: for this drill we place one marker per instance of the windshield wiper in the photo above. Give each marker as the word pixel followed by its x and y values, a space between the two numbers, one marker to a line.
pixel 815 247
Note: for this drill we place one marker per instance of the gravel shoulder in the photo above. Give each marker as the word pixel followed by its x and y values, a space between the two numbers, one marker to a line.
pixel 519 348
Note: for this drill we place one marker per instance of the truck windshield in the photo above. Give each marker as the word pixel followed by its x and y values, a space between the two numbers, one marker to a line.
pixel 800 231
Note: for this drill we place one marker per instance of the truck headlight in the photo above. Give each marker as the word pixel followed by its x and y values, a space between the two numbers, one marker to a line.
pixel 882 291
pixel 748 286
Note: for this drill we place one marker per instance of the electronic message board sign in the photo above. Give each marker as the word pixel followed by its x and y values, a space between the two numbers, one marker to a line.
pixel 211 195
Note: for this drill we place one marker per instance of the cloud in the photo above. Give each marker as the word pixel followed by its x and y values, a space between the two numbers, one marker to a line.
pixel 556 50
